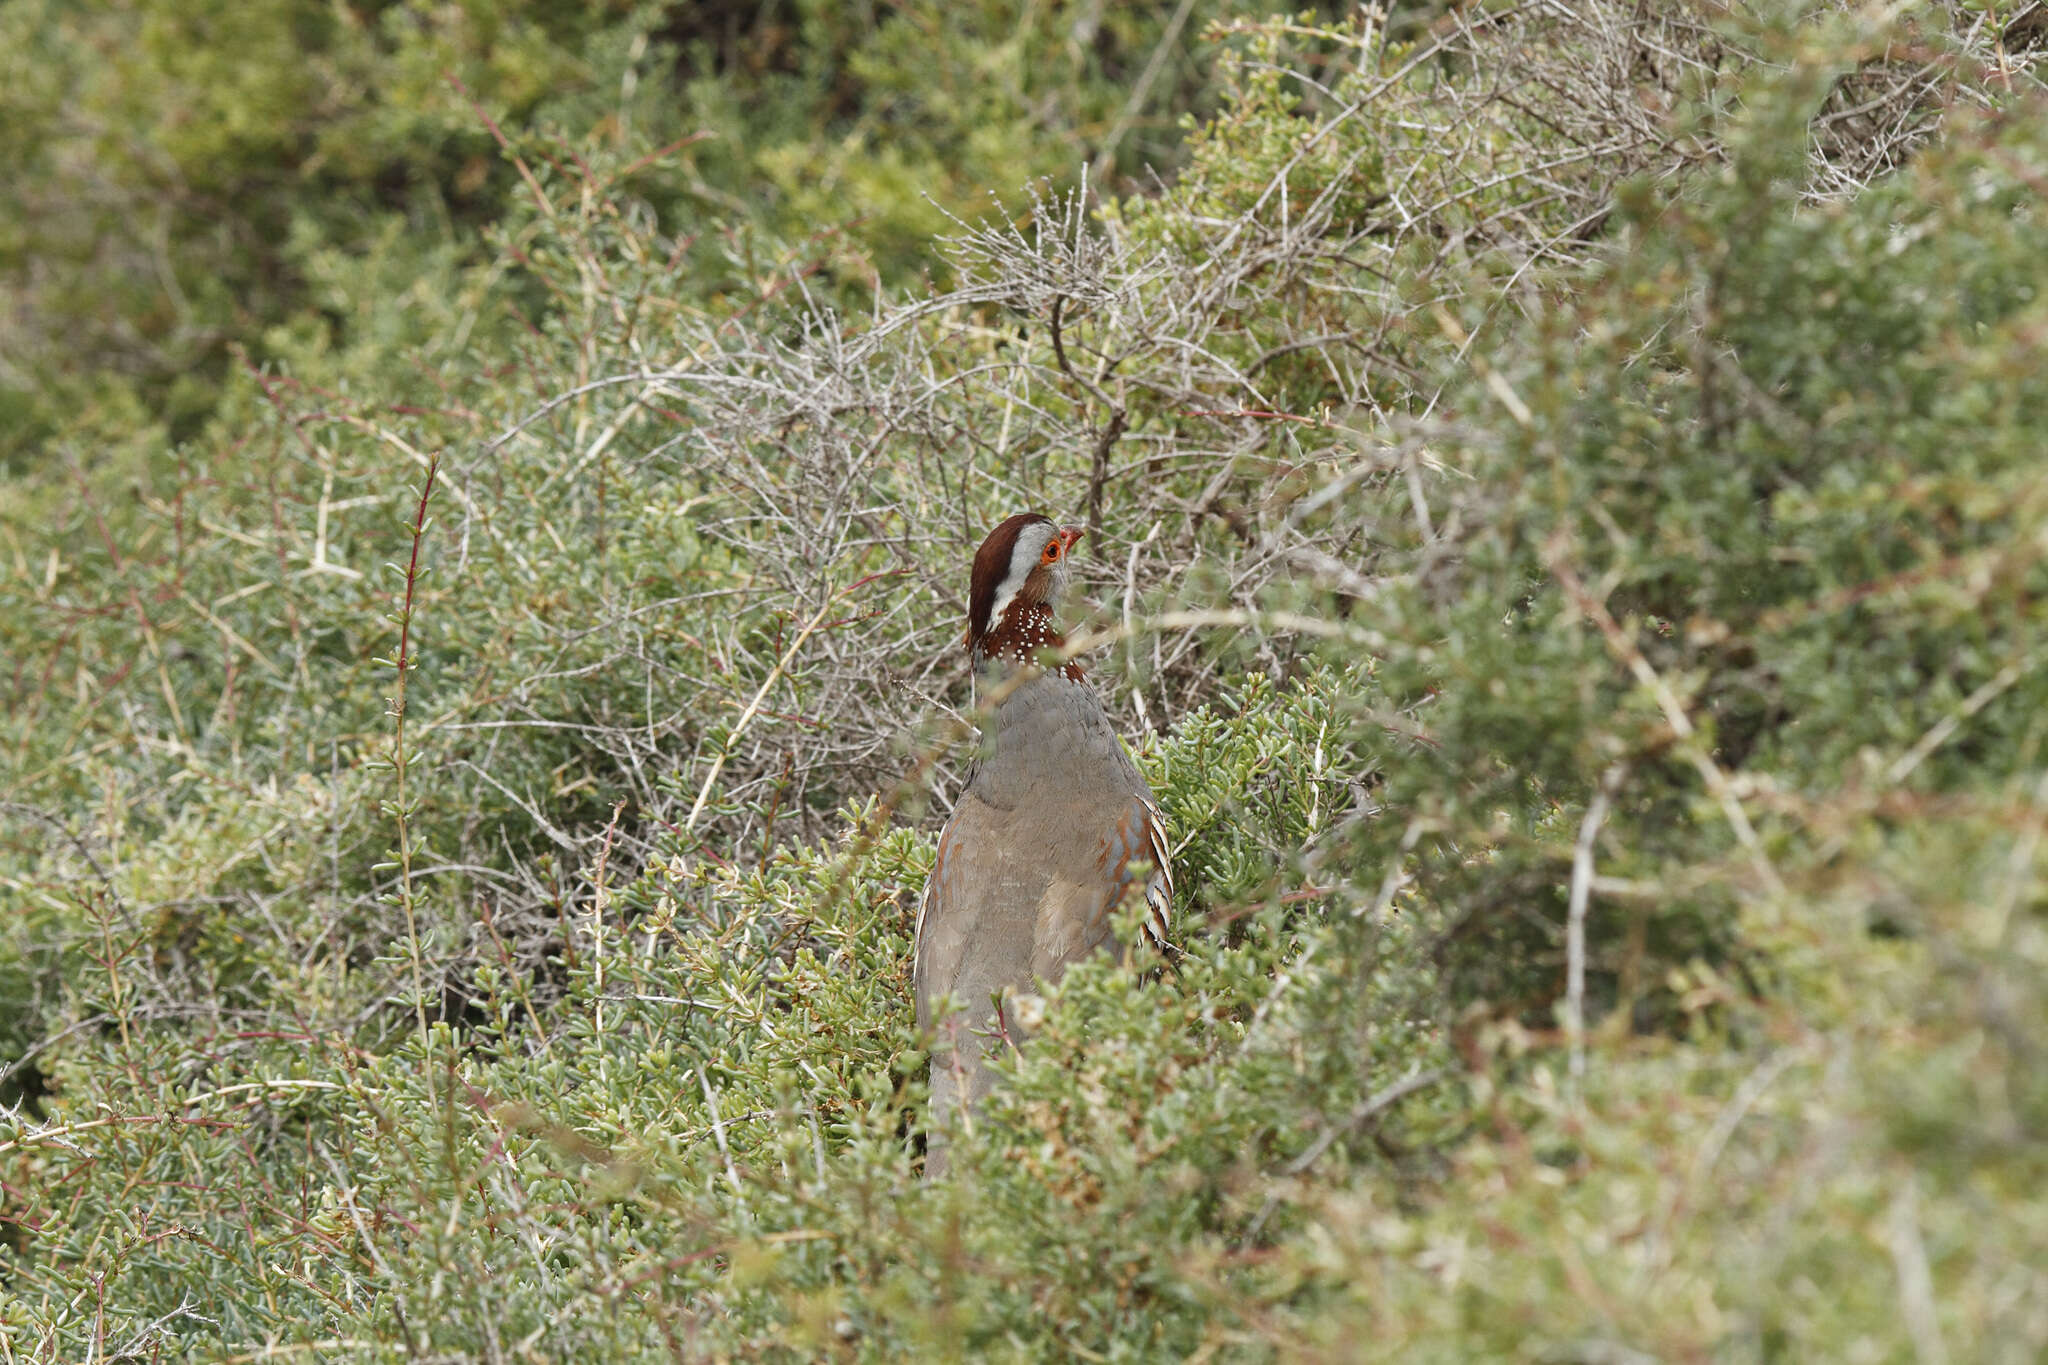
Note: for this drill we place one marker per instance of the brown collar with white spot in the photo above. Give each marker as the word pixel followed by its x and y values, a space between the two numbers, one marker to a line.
pixel 1022 635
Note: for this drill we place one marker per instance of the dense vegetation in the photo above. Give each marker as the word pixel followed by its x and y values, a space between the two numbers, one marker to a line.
pixel 488 492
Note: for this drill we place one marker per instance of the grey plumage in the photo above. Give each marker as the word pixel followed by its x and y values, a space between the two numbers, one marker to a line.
pixel 1034 860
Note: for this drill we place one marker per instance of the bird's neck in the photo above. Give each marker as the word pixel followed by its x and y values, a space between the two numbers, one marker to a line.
pixel 1020 636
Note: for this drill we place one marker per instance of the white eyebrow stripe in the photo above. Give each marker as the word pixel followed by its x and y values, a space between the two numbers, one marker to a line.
pixel 1006 595
pixel 1031 543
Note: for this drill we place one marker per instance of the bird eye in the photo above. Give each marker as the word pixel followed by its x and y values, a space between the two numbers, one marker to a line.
pixel 1052 551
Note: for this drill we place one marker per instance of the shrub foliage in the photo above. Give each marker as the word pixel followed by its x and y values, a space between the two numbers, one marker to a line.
pixel 1568 513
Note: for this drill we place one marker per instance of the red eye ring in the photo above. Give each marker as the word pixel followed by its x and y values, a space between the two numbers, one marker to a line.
pixel 1052 552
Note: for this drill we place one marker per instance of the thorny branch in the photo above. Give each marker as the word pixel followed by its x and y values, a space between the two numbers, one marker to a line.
pixel 815 448
pixel 1273 412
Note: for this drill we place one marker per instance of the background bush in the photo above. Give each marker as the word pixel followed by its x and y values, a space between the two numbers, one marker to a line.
pixel 480 596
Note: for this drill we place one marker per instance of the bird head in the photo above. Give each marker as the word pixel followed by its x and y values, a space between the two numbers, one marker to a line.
pixel 1020 574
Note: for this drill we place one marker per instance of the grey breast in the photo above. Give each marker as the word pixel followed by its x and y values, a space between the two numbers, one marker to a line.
pixel 1020 889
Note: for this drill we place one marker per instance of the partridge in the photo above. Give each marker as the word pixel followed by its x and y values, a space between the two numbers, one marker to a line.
pixel 1043 843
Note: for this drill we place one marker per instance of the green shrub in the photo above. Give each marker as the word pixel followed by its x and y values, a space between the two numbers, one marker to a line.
pixel 1584 639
